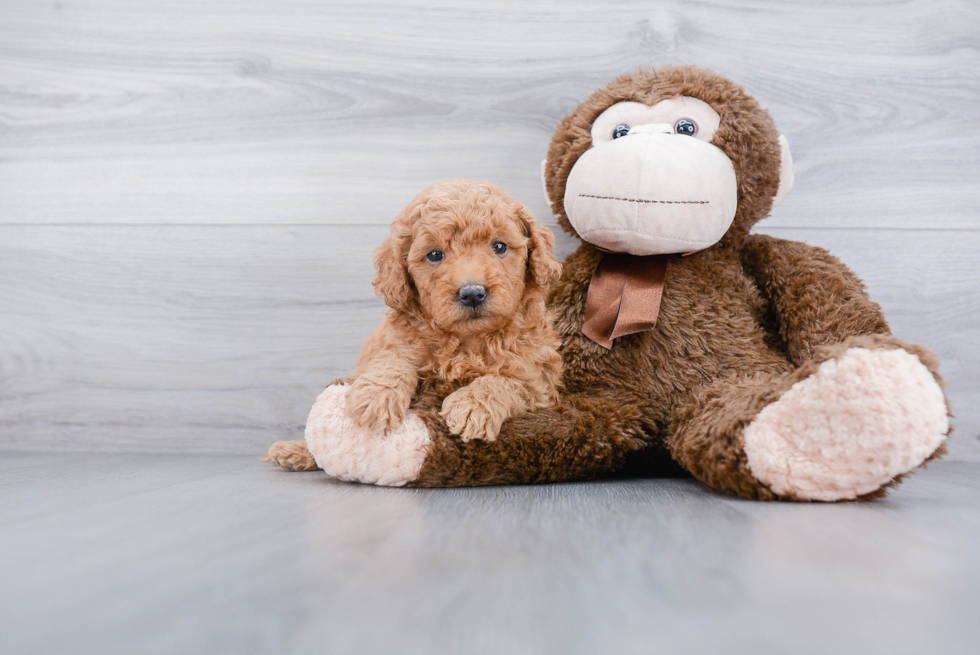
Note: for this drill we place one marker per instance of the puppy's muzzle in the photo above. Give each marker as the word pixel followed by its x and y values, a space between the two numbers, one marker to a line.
pixel 472 295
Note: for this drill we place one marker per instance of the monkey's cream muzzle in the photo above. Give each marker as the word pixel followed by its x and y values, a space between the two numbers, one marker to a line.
pixel 652 192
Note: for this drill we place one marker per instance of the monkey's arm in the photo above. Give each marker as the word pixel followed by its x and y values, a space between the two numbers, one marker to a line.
pixel 815 299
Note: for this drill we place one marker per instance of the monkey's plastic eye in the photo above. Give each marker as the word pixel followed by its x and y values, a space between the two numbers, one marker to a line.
pixel 499 247
pixel 686 126
pixel 621 130
pixel 435 256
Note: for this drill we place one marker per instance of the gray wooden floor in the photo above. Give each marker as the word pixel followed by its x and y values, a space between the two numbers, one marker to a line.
pixel 221 554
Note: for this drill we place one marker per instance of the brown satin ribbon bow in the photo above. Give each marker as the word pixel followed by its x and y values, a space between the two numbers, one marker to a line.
pixel 624 296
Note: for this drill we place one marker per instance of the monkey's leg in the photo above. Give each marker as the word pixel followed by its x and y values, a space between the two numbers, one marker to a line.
pixel 585 436
pixel 847 424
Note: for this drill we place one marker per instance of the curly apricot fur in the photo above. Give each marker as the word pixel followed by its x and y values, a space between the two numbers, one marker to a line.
pixel 494 361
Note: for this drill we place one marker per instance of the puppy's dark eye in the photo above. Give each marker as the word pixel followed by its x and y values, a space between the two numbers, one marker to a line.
pixel 686 126
pixel 621 130
pixel 435 256
pixel 499 247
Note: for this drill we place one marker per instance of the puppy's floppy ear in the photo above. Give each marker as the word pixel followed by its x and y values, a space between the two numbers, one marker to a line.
pixel 542 268
pixel 393 283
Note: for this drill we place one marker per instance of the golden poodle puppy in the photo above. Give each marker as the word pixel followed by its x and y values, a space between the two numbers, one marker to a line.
pixel 464 273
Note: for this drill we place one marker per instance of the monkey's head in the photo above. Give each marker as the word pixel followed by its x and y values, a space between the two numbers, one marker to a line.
pixel 666 161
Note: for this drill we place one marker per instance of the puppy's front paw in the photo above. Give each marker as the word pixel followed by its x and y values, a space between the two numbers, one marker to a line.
pixel 374 406
pixel 471 415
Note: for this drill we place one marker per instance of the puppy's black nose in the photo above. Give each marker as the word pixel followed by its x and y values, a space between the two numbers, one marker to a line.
pixel 472 295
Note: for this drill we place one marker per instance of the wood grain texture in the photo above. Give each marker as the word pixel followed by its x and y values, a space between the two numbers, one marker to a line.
pixel 190 191
pixel 168 554
pixel 263 111
pixel 162 338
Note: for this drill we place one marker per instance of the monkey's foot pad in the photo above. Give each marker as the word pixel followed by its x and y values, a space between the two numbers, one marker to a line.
pixel 853 426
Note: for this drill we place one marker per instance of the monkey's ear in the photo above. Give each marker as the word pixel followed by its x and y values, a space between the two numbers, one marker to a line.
pixel 393 283
pixel 785 170
pixel 544 183
pixel 542 267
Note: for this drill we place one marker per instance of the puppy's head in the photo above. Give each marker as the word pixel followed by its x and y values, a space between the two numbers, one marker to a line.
pixel 466 254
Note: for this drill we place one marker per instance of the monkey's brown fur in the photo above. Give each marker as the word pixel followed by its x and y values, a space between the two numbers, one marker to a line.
pixel 739 324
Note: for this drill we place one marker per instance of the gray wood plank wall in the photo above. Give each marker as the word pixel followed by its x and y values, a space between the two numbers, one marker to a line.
pixel 190 191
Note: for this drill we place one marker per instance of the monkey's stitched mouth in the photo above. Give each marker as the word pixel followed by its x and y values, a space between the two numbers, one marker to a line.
pixel 641 200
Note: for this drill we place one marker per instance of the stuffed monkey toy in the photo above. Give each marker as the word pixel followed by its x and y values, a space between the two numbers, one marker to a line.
pixel 758 365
